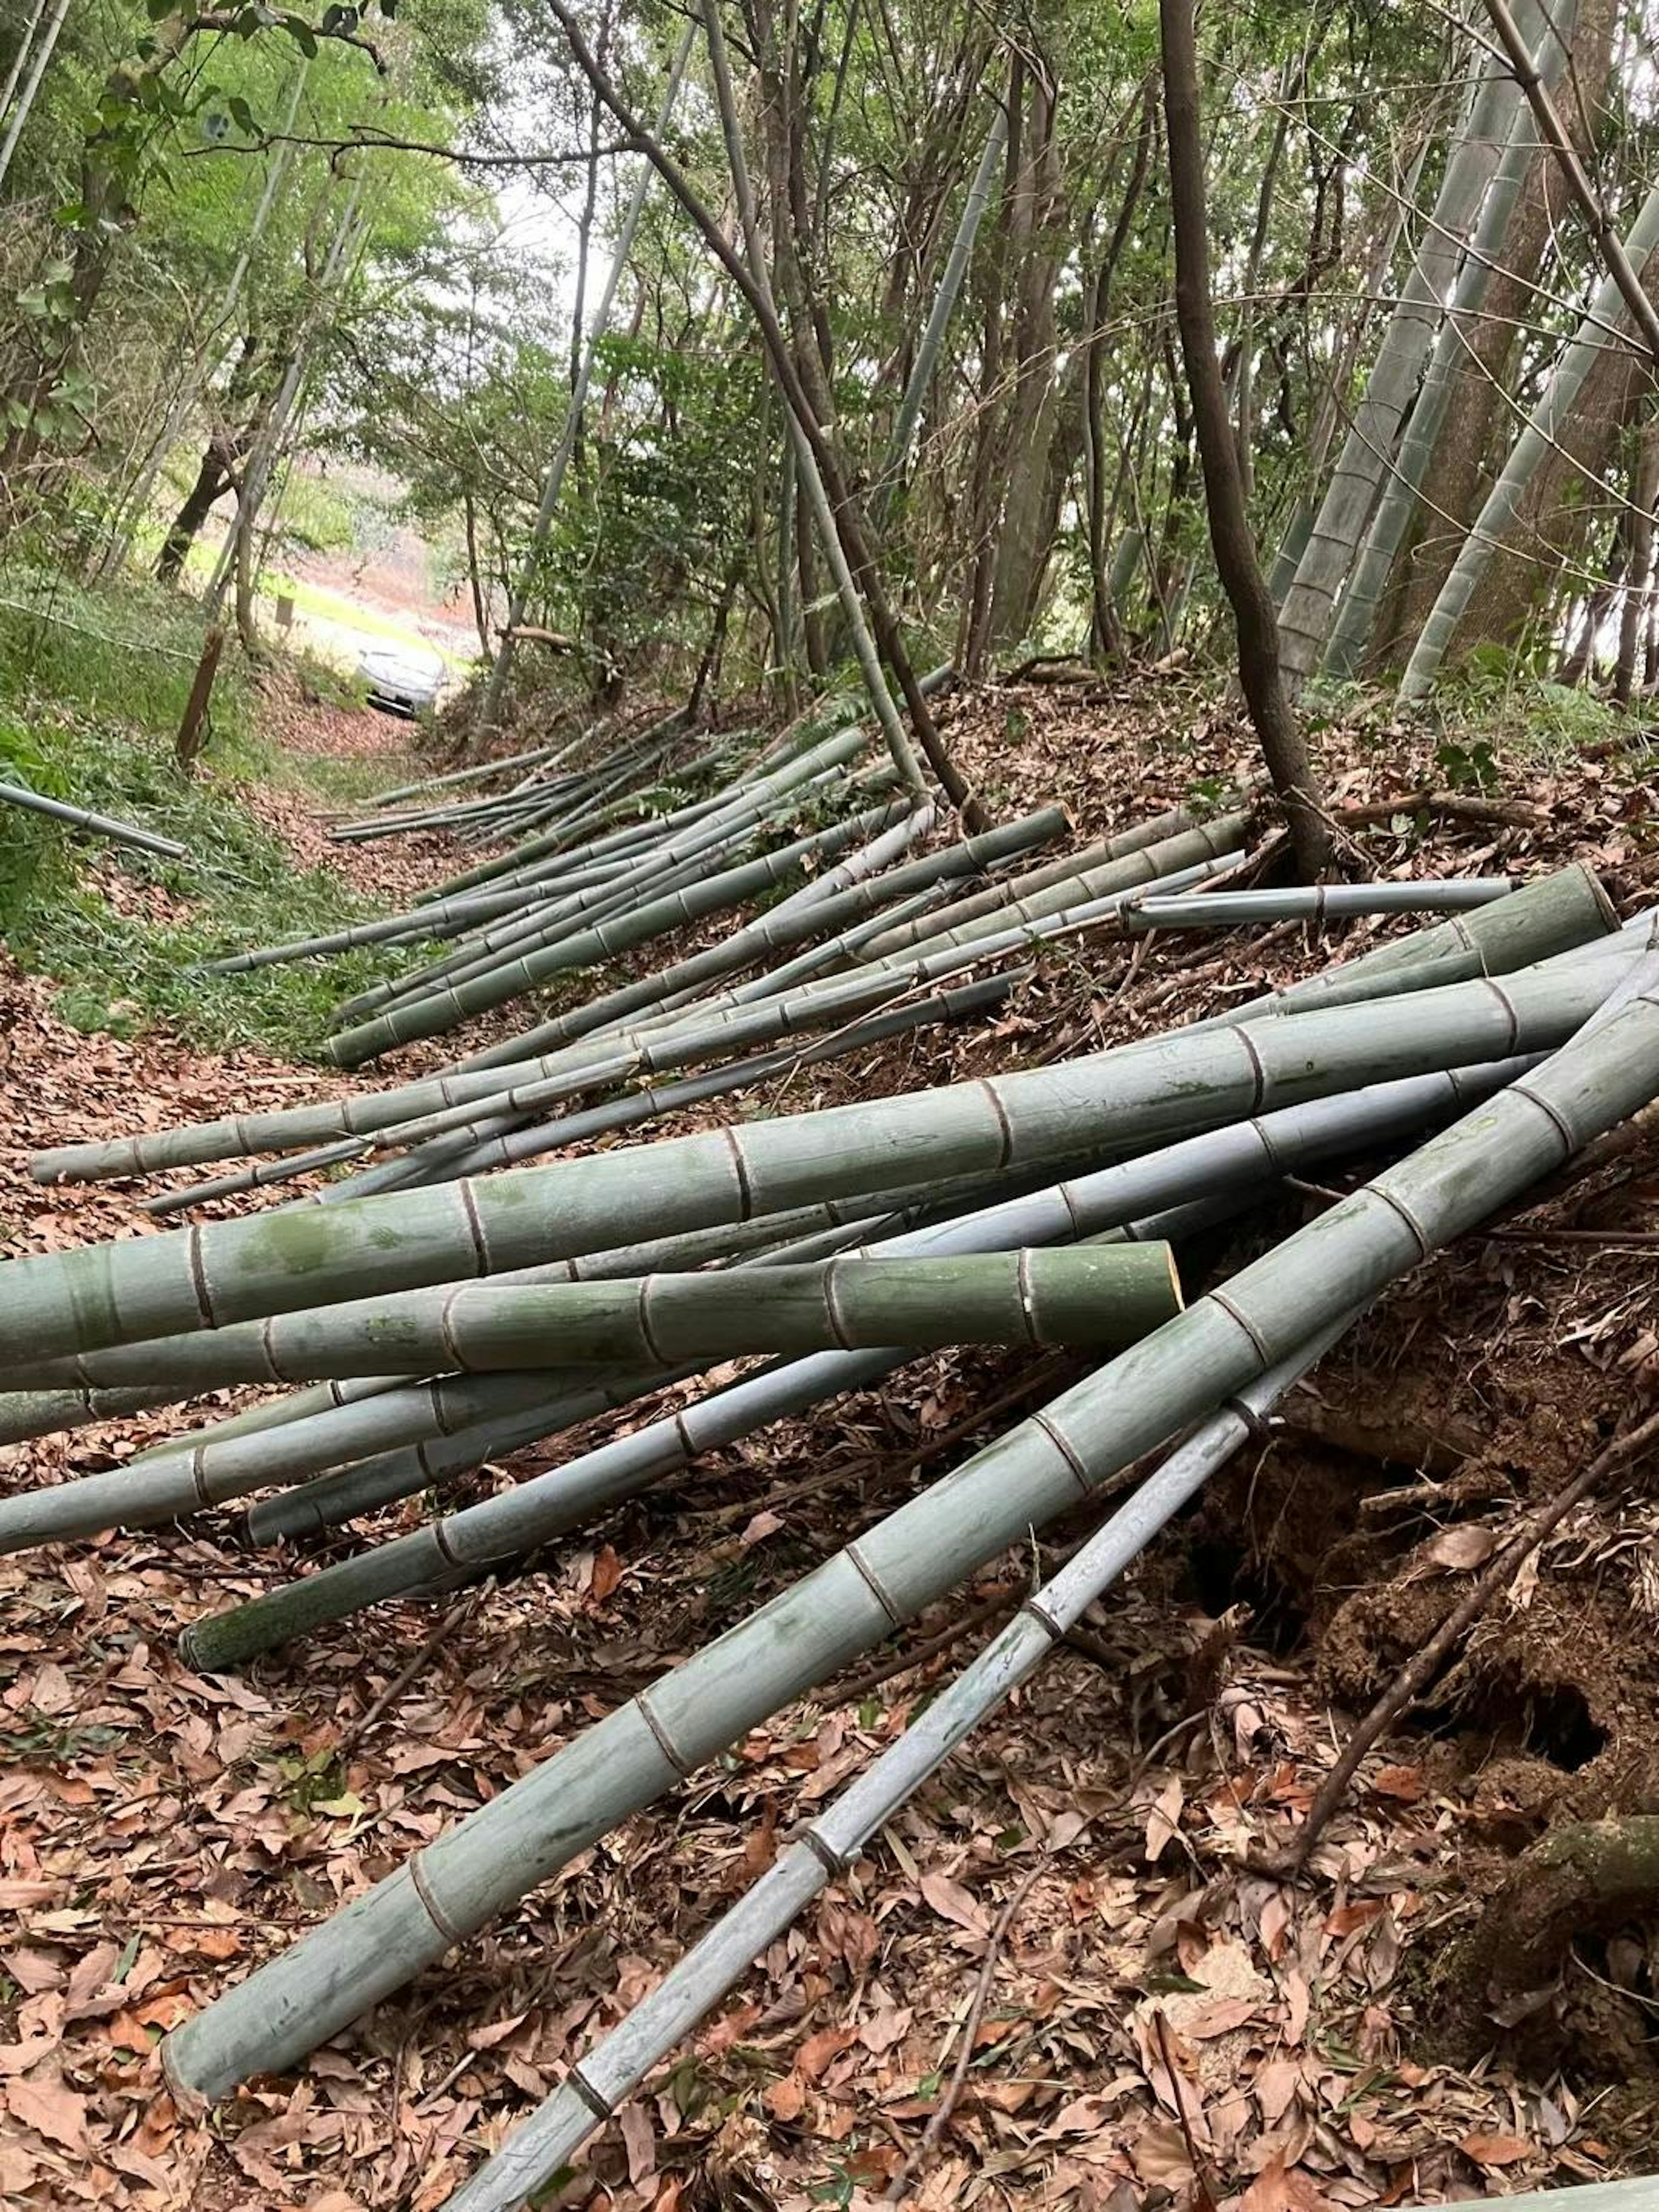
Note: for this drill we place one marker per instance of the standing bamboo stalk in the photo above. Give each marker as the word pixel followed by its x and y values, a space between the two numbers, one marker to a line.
pixel 1542 433
pixel 553 482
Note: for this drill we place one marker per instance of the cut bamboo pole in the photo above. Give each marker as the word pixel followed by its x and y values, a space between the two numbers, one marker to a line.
pixel 508 977
pixel 1156 830
pixel 1139 1200
pixel 220 1271
pixel 1207 841
pixel 1314 902
pixel 1033 1298
pixel 603 2078
pixel 544 922
pixel 333 1499
pixel 101 825
pixel 485 1862
pixel 1553 915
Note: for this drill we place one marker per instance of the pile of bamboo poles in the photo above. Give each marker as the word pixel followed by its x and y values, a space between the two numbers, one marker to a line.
pixel 447 1305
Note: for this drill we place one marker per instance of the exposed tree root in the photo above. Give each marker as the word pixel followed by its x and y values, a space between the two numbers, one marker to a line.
pixel 1583 1878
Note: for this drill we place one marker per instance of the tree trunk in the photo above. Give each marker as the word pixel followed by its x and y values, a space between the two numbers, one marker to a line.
pixel 1476 414
pixel 1644 490
pixel 1282 742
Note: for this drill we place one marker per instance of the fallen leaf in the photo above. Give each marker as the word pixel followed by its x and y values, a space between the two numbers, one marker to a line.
pixel 1494 2149
pixel 1276 2189
pixel 51 2110
pixel 1461 1549
pixel 819 2049
pixel 607 1573
pixel 952 1902
pixel 1163 1818
pixel 786 2098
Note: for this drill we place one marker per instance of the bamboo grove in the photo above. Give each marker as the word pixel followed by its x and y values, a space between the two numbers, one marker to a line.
pixel 917 272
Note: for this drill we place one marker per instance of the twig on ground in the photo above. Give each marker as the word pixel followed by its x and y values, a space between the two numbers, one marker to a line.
pixel 400 1681
pixel 860 1685
pixel 1507 813
pixel 1045 1378
pixel 899 2187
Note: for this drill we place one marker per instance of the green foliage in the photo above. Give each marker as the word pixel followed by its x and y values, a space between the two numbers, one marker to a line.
pixel 1467 767
pixel 1497 693
pixel 124 933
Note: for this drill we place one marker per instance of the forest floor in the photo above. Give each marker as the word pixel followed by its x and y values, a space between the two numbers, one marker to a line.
pixel 1152 2000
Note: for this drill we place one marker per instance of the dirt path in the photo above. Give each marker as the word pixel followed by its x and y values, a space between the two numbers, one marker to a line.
pixel 160 1833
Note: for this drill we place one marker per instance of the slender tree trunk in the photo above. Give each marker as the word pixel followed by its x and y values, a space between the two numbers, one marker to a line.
pixel 1282 744
pixel 43 48
pixel 1644 490
pixel 1106 638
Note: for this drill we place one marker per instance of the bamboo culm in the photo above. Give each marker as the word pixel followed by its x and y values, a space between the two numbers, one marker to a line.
pixel 1207 842
pixel 485 1862
pixel 101 825
pixel 507 978
pixel 1008 1297
pixel 1553 915
pixel 219 1272
pixel 1550 416
pixel 1116 1201
pixel 1314 902
pixel 1155 830
pixel 606 2076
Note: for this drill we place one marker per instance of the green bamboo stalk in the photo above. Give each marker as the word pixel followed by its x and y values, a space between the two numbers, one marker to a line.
pixel 548 925
pixel 450 1006
pixel 235 1350
pixel 101 825
pixel 33 1412
pixel 932 341
pixel 1206 842
pixel 485 1862
pixel 1334 541
pixel 1402 493
pixel 762 937
pixel 221 1272
pixel 1312 903
pixel 1112 1202
pixel 833 752
pixel 1542 433
pixel 1155 830
pixel 1553 915
pixel 328 1500
pixel 497 1145
pixel 1008 1298
pixel 603 2078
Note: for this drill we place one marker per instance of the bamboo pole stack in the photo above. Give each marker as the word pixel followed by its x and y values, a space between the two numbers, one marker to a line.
pixel 445 1304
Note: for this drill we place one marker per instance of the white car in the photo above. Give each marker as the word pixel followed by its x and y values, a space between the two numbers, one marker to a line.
pixel 401 679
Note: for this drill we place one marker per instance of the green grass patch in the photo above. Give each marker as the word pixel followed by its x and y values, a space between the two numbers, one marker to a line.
pixel 86 715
